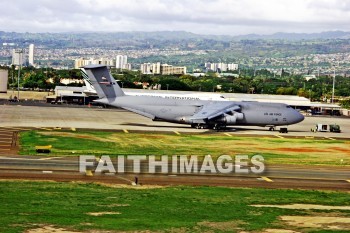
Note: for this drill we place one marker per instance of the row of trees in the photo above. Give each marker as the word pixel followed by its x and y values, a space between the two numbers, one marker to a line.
pixel 247 81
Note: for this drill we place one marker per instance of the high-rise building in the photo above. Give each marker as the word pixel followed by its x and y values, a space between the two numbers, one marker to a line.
pixel 17 57
pixel 121 61
pixel 220 66
pixel 31 55
pixel 165 69
pixel 146 68
pixel 84 62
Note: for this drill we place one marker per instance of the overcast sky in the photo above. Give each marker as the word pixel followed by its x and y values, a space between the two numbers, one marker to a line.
pixel 227 17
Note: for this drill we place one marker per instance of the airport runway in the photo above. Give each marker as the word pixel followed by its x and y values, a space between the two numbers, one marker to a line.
pixel 117 119
pixel 67 169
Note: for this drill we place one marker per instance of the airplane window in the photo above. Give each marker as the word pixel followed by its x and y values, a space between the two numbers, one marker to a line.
pixel 289 106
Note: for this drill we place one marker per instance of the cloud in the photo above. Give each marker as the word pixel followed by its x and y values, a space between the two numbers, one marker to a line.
pixel 200 16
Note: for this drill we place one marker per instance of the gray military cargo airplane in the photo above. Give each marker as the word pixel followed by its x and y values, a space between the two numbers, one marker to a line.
pixel 197 113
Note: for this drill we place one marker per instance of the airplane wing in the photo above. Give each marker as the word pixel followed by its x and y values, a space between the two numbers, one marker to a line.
pixel 141 113
pixel 213 110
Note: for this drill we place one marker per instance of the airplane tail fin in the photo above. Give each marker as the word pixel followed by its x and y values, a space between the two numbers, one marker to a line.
pixel 103 82
pixel 86 80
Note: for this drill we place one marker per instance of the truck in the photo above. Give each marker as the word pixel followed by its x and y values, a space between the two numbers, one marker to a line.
pixel 334 128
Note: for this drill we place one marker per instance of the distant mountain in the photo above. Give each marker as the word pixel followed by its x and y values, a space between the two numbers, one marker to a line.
pixel 296 36
pixel 163 40
pixel 167 36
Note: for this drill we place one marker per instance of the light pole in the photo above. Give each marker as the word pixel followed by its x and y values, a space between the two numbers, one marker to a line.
pixel 20 52
pixel 333 86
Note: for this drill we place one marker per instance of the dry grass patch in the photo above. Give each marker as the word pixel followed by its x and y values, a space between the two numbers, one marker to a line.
pixel 50 229
pixel 103 213
pixel 222 226
pixel 329 223
pixel 306 207
pixel 279 231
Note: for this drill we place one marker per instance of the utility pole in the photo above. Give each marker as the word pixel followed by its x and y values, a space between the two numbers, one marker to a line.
pixel 333 86
pixel 20 52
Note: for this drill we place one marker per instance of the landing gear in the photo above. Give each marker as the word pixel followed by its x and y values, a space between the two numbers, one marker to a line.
pixel 219 127
pixel 198 126
pixel 216 126
pixel 272 128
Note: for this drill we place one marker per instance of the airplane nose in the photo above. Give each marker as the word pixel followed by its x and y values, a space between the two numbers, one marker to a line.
pixel 298 117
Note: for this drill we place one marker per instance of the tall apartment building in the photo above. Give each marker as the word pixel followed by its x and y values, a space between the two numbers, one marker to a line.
pixel 31 55
pixel 121 61
pixel 164 69
pixel 150 68
pixel 84 62
pixel 17 57
pixel 220 66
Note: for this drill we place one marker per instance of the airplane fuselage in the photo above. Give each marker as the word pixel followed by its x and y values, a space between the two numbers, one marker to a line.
pixel 180 111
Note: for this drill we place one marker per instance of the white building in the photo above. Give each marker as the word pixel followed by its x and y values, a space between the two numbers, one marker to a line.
pixel 146 68
pixel 84 62
pixel 17 57
pixel 121 61
pixel 31 55
pixel 165 69
pixel 222 67
pixel 232 66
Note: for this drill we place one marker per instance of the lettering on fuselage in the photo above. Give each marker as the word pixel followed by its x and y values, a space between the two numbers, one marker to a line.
pixel 272 114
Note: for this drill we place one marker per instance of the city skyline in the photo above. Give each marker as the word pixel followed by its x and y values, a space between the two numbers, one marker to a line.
pixel 217 17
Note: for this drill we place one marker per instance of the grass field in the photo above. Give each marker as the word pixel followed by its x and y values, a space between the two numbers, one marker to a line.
pixel 78 206
pixel 31 95
pixel 274 150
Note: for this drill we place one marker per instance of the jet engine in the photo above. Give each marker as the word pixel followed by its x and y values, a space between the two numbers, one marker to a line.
pixel 231 119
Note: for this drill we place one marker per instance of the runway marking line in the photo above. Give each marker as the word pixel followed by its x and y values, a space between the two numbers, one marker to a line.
pixel 4 149
pixel 227 134
pixel 49 158
pixel 47 172
pixel 279 136
pixel 330 138
pixel 348 181
pixel 176 132
pixel 125 131
pixel 266 179
pixel 73 129
pixel 46 129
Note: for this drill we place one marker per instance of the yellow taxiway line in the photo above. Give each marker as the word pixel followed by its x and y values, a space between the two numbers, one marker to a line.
pixel 125 131
pixel 227 134
pixel 177 132
pixel 266 179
